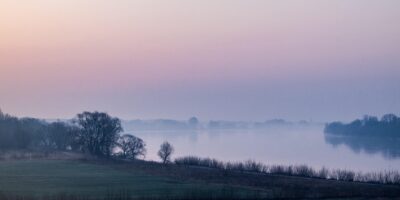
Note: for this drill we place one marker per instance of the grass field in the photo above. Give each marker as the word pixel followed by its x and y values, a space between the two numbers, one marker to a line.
pixel 55 177
pixel 108 179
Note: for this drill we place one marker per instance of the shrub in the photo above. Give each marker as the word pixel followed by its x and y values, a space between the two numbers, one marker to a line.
pixel 343 175
pixel 385 177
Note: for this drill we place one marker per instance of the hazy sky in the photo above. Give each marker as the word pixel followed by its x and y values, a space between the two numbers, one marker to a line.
pixel 216 59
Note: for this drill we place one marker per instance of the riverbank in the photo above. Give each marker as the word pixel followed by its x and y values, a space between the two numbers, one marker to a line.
pixel 62 178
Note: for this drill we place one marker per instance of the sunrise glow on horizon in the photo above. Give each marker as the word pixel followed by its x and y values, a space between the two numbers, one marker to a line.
pixel 227 59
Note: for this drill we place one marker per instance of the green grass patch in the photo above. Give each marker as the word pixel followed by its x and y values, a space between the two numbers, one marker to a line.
pixel 53 177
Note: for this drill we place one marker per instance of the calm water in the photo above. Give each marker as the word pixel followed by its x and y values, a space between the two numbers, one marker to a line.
pixel 278 146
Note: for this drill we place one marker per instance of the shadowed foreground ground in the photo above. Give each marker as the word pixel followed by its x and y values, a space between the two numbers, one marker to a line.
pixel 39 178
pixel 72 179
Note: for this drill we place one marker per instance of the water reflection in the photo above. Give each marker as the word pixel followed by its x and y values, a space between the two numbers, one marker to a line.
pixel 279 146
pixel 388 147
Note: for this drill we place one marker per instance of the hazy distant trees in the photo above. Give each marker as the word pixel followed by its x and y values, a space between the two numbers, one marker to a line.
pixel 20 133
pixel 35 134
pixel 29 133
pixel 63 135
pixel 389 118
pixel 95 133
pixel 98 133
pixel 193 122
pixel 389 125
pixel 162 124
pixel 92 132
pixel 131 146
pixel 165 152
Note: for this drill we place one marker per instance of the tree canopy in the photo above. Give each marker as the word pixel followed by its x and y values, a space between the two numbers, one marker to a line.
pixel 98 132
pixel 388 125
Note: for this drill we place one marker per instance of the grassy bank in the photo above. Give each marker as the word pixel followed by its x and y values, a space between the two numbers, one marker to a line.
pixel 276 186
pixel 107 179
pixel 41 178
pixel 382 177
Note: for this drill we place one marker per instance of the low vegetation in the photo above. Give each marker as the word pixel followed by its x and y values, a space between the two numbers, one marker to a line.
pixel 116 179
pixel 385 177
pixel 60 179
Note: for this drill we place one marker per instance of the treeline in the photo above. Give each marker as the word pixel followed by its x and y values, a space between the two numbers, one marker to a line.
pixel 30 133
pixel 385 177
pixel 161 124
pixel 94 133
pixel 194 124
pixel 388 125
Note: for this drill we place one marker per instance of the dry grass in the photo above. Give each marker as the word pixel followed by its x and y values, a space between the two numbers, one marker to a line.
pixel 265 185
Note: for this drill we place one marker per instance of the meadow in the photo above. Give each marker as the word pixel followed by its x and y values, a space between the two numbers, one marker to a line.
pixel 61 178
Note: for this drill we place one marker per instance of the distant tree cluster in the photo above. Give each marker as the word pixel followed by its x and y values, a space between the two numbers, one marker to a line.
pixel 162 124
pixel 388 125
pixel 95 133
pixel 30 133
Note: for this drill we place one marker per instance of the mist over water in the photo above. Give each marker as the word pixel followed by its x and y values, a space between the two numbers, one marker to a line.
pixel 278 145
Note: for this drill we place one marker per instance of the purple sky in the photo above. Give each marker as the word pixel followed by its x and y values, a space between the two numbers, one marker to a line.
pixel 228 59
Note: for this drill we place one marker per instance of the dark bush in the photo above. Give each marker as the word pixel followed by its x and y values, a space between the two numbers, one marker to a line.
pixel 343 175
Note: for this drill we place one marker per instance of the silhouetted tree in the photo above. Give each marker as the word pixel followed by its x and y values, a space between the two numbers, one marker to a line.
pixel 389 118
pixel 389 125
pixel 131 146
pixel 98 132
pixel 31 133
pixel 165 152
pixel 17 133
pixel 62 135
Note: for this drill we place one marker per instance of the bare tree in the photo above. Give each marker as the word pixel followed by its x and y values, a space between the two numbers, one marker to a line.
pixel 98 132
pixel 131 146
pixel 165 152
